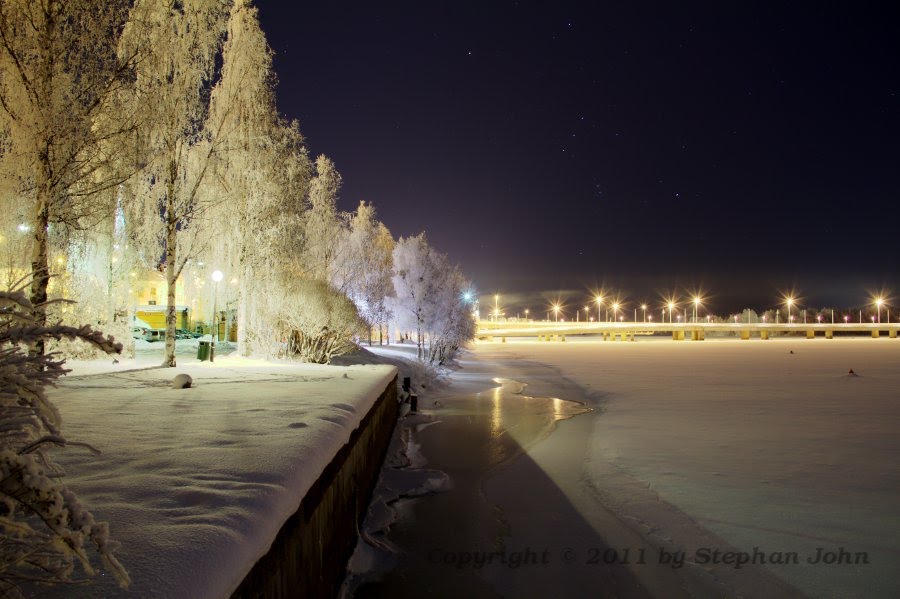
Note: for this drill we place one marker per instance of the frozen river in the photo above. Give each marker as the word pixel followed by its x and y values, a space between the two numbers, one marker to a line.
pixel 755 468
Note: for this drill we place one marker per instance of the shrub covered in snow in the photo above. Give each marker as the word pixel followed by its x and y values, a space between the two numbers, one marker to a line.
pixel 44 530
pixel 322 323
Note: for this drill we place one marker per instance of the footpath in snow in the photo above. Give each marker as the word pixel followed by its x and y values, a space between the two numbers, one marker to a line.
pixel 195 483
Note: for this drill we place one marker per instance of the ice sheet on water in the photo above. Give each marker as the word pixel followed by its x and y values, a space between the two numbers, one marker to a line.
pixel 762 447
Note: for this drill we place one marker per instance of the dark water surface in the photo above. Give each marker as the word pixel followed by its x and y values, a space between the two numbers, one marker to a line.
pixel 460 543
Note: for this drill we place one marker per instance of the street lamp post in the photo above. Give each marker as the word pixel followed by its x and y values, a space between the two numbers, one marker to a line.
pixel 644 310
pixel 878 302
pixel 696 307
pixel 671 309
pixel 216 277
pixel 790 302
pixel 556 311
pixel 599 300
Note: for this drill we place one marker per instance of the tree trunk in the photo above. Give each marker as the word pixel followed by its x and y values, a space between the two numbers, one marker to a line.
pixel 40 273
pixel 40 263
pixel 243 346
pixel 171 272
pixel 419 349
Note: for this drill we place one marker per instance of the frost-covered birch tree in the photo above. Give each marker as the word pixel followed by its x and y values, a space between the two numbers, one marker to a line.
pixel 60 79
pixel 448 317
pixel 265 176
pixel 189 126
pixel 429 299
pixel 413 279
pixel 364 265
pixel 276 261
pixel 323 229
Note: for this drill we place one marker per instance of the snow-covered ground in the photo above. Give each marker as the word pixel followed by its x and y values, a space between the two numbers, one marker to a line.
pixel 748 444
pixel 195 483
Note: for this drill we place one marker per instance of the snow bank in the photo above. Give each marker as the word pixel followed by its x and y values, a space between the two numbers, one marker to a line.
pixel 770 444
pixel 196 483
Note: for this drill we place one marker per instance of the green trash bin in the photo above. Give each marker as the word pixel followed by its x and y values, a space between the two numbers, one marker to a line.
pixel 203 351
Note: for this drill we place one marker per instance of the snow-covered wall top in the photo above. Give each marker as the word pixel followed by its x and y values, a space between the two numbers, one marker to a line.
pixel 196 483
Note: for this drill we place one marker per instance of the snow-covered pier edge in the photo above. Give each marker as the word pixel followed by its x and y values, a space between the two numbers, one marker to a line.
pixel 309 555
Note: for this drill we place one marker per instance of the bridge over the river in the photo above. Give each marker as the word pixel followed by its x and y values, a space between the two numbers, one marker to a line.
pixel 549 331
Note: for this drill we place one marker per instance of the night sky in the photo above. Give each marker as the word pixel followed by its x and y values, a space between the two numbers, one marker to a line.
pixel 738 149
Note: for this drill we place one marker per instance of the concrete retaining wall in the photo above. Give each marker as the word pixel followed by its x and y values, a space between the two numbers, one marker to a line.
pixel 311 550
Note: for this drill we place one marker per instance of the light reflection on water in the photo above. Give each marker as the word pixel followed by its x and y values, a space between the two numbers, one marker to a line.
pixel 496 411
pixel 517 421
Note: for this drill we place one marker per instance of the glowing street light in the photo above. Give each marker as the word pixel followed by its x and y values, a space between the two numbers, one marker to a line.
pixel 790 302
pixel 696 307
pixel 599 300
pixel 671 310
pixel 526 313
pixel 846 319
pixel 644 309
pixel 878 302
pixel 556 311
pixel 615 308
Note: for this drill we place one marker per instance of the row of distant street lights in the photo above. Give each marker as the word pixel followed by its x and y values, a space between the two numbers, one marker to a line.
pixel 668 308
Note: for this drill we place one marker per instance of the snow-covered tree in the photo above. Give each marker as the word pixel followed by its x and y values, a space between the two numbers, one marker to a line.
pixel 60 79
pixel 277 259
pixel 263 230
pixel 44 529
pixel 449 318
pixel 364 265
pixel 428 298
pixel 265 176
pixel 323 230
pixel 413 276
pixel 190 123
